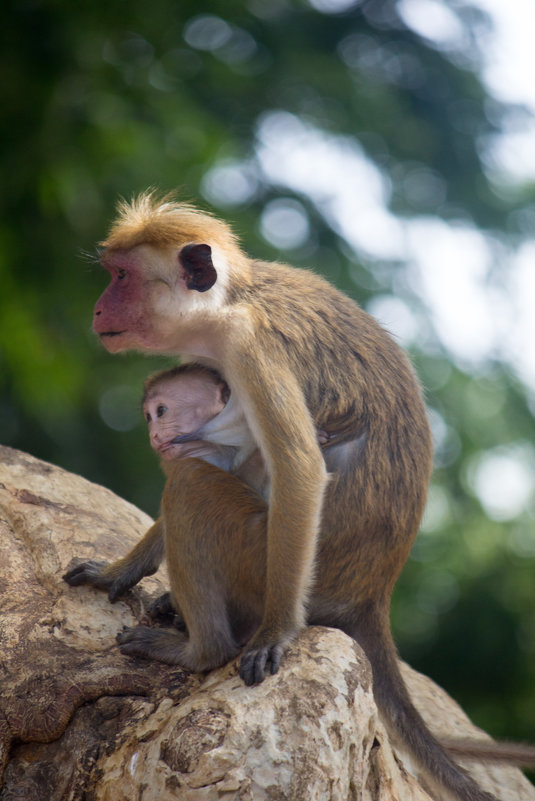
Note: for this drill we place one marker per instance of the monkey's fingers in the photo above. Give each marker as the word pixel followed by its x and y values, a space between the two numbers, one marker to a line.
pixel 135 641
pixel 254 663
pixel 163 611
pixel 119 586
pixel 89 572
pixel 168 646
pixel 161 607
pixel 127 633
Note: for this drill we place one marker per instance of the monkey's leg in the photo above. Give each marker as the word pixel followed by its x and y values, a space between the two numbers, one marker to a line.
pixel 209 643
pixel 199 590
pixel 215 552
pixel 143 560
pixel 216 559
pixel 198 583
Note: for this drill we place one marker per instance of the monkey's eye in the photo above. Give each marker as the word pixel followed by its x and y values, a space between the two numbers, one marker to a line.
pixel 148 418
pixel 161 410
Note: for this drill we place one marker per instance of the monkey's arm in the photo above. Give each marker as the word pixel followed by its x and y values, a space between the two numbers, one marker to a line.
pixel 281 423
pixel 143 560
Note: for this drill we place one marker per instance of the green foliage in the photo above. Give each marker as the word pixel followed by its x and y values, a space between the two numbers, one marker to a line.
pixel 104 99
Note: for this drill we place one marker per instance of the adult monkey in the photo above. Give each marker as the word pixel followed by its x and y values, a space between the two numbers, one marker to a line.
pixel 299 356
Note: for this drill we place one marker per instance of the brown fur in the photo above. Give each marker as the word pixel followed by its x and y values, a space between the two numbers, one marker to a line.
pixel 299 356
pixel 160 221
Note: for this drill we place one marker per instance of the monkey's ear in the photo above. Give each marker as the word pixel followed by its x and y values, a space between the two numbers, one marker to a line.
pixel 199 269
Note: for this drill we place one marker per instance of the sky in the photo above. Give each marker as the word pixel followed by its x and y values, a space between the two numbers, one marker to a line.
pixel 504 318
pixel 476 317
pixel 449 264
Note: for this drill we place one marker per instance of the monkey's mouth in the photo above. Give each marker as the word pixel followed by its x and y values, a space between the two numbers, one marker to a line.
pixel 181 446
pixel 165 446
pixel 169 451
pixel 112 333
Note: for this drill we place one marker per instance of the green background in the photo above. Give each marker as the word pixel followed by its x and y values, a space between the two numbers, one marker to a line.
pixel 103 99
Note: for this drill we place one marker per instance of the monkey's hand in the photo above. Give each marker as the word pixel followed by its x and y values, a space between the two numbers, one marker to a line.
pixel 161 608
pixel 102 576
pixel 163 611
pixel 257 661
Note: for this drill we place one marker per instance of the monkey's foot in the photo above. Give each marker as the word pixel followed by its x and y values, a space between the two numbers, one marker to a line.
pixel 254 663
pixel 174 648
pixel 163 645
pixel 102 576
pixel 90 572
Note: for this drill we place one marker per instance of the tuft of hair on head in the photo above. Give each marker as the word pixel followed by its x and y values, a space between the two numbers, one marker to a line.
pixel 161 221
pixel 187 369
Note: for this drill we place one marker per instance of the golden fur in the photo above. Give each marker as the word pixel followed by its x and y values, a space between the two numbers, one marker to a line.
pixel 298 356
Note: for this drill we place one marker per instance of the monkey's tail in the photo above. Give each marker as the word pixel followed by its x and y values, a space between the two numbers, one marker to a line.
pixel 520 754
pixel 403 721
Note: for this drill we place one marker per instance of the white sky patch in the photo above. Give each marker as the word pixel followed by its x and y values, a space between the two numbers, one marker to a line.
pixel 521 339
pixel 511 155
pixel 394 315
pixel 509 54
pixel 284 223
pixel 507 70
pixel 450 266
pixel 229 183
pixel 432 20
pixel 334 172
pixel 504 480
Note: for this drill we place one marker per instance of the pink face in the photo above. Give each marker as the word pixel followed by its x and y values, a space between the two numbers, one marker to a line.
pixel 121 317
pixel 177 406
pixel 127 315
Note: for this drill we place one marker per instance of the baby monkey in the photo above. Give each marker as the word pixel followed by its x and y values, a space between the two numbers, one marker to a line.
pixel 207 554
pixel 209 551
pixel 182 407
pixel 216 554
pixel 177 403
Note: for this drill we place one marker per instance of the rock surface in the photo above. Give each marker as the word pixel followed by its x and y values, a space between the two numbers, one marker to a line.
pixel 80 721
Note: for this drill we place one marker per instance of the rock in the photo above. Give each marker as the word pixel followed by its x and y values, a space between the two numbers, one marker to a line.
pixel 80 721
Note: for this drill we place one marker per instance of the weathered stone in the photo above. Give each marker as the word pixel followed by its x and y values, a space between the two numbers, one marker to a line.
pixel 80 721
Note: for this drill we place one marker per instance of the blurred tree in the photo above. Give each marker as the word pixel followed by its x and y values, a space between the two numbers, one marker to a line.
pixel 103 99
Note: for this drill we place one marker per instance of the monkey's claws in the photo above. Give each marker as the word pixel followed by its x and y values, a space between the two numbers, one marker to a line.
pixel 161 608
pixel 97 575
pixel 253 667
pixel 134 640
pixel 124 635
pixel 89 572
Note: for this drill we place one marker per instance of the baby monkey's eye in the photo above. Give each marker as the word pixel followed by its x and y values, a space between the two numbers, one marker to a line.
pixel 148 418
pixel 161 410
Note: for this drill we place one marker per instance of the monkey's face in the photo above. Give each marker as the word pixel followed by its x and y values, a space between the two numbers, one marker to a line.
pixel 119 317
pixel 152 293
pixel 177 406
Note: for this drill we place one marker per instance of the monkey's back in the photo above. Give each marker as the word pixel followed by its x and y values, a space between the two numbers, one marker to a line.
pixel 355 378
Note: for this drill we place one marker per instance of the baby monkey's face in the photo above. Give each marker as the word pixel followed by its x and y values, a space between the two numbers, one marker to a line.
pixel 180 405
